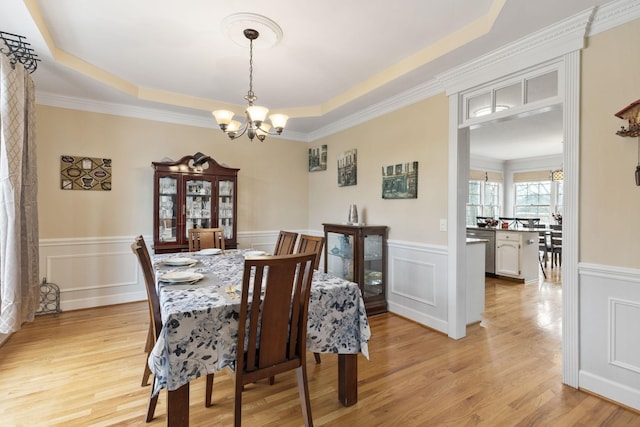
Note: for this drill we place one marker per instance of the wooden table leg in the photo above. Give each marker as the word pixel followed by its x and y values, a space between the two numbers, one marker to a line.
pixel 178 407
pixel 348 379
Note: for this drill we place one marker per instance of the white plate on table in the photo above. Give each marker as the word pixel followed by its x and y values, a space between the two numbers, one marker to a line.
pixel 255 253
pixel 179 262
pixel 181 277
pixel 209 251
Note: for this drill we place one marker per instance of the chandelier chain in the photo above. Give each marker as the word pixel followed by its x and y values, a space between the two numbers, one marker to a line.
pixel 251 97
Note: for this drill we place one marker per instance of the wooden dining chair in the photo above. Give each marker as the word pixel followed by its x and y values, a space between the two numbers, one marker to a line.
pixel 286 243
pixel 274 340
pixel 205 238
pixel 311 244
pixel 139 249
pixel 150 334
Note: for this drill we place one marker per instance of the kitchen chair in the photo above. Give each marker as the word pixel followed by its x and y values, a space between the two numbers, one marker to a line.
pixel 286 243
pixel 543 246
pixel 205 238
pixel 311 244
pixel 556 246
pixel 275 337
pixel 139 248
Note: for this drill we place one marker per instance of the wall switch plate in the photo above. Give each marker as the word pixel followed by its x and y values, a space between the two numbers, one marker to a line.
pixel 443 225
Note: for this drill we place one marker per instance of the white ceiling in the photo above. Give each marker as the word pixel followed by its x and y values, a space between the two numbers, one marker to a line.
pixel 335 59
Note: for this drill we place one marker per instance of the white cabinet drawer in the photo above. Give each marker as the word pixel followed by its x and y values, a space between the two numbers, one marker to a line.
pixel 511 236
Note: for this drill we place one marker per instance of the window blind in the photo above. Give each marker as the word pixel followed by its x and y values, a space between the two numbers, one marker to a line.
pixel 477 175
pixel 532 176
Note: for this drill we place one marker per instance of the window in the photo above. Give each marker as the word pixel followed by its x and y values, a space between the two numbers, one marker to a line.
pixel 559 197
pixel 533 199
pixel 538 199
pixel 484 200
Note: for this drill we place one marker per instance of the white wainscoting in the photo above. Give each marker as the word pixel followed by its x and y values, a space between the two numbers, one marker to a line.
pixel 97 271
pixel 92 272
pixel 417 282
pixel 609 340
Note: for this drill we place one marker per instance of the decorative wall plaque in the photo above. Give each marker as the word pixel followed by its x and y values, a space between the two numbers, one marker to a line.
pixel 85 173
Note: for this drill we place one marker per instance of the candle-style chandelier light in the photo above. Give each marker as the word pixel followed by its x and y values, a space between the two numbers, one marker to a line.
pixel 255 125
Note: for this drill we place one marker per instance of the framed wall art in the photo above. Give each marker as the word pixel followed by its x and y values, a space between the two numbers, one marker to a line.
pixel 85 173
pixel 400 181
pixel 348 168
pixel 318 158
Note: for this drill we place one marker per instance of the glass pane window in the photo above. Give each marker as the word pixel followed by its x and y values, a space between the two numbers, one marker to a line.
pixel 479 105
pixel 559 198
pixel 542 87
pixel 484 200
pixel 508 97
pixel 533 199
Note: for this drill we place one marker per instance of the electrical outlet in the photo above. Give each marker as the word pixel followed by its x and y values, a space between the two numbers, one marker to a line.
pixel 443 225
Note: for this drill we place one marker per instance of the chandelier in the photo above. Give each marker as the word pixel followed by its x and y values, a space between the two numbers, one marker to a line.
pixel 255 125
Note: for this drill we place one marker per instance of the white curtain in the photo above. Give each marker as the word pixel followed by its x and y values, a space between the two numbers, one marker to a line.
pixel 19 270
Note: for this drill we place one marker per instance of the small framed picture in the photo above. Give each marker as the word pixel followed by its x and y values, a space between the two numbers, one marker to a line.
pixel 348 168
pixel 318 158
pixel 400 181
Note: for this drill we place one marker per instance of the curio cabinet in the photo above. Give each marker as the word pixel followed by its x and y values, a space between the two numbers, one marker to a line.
pixel 193 192
pixel 359 254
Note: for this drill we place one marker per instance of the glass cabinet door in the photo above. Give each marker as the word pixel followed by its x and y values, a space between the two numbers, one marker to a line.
pixel 340 255
pixel 167 209
pixel 197 204
pixel 373 266
pixel 226 214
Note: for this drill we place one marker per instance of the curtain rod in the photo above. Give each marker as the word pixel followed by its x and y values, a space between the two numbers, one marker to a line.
pixel 18 50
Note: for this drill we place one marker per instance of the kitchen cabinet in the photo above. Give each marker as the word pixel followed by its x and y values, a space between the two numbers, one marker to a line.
pixel 517 254
pixel 359 254
pixel 193 192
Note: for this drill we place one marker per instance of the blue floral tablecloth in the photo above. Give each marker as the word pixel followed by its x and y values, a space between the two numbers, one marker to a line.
pixel 200 320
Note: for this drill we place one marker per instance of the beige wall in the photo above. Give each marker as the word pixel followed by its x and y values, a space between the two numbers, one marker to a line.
pixel 609 199
pixel 132 144
pixel 415 133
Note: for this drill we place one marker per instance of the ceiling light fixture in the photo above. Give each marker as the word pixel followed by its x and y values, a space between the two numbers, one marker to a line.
pixel 488 110
pixel 255 126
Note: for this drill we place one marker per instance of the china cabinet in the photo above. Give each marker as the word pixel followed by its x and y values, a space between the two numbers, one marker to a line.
pixel 193 192
pixel 359 254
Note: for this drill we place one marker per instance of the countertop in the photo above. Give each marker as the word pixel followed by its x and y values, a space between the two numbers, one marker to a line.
pixel 520 229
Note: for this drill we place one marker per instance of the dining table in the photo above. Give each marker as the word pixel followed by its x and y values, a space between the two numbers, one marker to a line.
pixel 200 323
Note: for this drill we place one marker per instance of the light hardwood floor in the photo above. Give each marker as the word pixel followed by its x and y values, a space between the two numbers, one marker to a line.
pixel 84 368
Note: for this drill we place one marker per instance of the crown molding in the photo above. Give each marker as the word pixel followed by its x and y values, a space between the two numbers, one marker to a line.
pixel 396 102
pixel 146 113
pixel 84 104
pixel 539 47
pixel 614 14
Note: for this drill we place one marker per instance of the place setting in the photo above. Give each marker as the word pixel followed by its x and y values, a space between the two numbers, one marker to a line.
pixel 181 277
pixel 179 262
pixel 208 252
